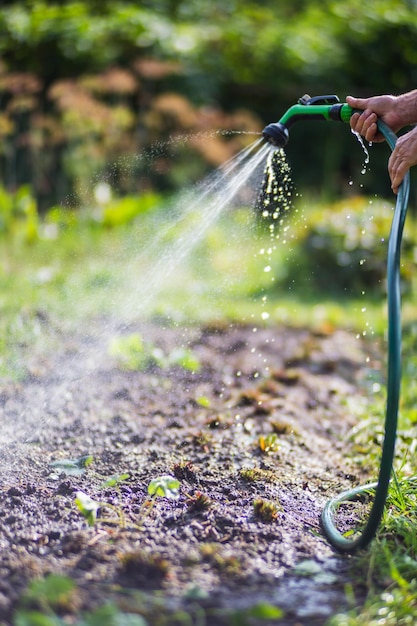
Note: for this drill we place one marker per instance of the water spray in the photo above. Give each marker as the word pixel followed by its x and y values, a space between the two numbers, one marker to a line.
pixel 329 108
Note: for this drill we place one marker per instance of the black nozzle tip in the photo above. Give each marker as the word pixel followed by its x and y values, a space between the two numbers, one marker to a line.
pixel 276 134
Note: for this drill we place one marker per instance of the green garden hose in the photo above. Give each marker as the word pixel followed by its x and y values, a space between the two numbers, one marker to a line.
pixel 277 134
pixel 380 488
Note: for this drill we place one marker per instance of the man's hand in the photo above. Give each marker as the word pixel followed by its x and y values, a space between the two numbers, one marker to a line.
pixel 384 107
pixel 402 158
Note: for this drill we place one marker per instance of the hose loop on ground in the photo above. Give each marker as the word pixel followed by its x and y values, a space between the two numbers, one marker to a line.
pixel 380 488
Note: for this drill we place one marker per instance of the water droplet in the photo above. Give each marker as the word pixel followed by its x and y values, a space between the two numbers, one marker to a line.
pixel 267 268
pixel 265 315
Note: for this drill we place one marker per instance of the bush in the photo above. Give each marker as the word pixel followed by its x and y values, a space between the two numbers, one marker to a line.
pixel 343 248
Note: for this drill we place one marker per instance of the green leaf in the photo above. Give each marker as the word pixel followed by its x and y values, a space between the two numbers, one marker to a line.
pixel 203 401
pixel 53 590
pixel 185 358
pixel 114 480
pixel 72 467
pixel 164 486
pixel 110 615
pixel 132 353
pixel 87 507
pixel 266 611
pixel 35 618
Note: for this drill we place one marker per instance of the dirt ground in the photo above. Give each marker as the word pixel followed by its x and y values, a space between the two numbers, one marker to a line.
pixel 235 538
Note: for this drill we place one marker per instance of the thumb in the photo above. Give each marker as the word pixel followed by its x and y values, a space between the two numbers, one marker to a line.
pixel 357 103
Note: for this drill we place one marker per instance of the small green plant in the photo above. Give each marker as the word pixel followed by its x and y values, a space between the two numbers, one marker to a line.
pixel 49 594
pixel 163 486
pixel 185 358
pixel 89 509
pixel 114 481
pixel 132 352
pixel 253 474
pixel 268 443
pixel 203 401
pixel 47 597
pixel 72 467
pixel 265 510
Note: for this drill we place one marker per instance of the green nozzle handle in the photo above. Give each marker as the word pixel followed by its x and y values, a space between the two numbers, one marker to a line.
pixel 317 108
pixel 340 112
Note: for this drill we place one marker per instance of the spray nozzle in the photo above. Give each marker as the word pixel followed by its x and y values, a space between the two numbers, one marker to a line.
pixel 316 108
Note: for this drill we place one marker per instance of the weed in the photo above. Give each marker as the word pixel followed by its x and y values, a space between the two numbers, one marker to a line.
pixel 141 568
pixel 282 428
pixel 254 474
pixel 203 440
pixel 185 470
pixel 268 443
pixel 265 510
pixel 221 560
pixel 199 502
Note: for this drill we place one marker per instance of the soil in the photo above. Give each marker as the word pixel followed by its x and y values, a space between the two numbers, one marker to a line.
pixel 211 554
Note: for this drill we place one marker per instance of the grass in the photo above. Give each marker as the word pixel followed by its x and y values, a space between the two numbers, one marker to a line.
pixel 60 284
pixel 388 569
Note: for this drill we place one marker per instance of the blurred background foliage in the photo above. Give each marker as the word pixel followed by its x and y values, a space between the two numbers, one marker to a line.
pixel 84 86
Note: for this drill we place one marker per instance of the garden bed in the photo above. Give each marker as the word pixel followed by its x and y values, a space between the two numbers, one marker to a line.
pixel 256 434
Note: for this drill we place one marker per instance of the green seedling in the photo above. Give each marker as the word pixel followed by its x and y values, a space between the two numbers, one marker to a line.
pixel 49 594
pixel 165 486
pixel 268 443
pixel 132 352
pixel 185 358
pixel 87 506
pixel 89 509
pixel 72 467
pixel 45 598
pixel 114 481
pixel 203 401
